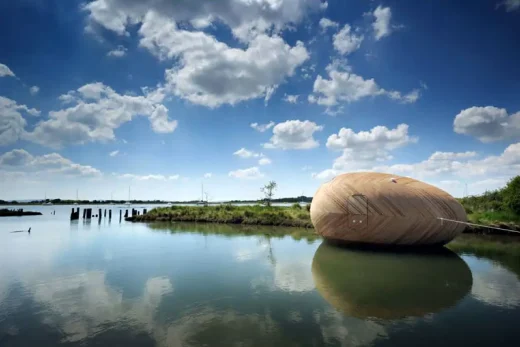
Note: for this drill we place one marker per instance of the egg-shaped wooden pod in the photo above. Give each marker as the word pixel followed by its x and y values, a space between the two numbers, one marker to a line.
pixel 377 208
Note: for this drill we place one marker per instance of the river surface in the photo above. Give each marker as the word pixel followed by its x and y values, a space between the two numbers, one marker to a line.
pixel 107 283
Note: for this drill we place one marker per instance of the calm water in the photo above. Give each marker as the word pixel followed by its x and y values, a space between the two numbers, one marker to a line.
pixel 111 284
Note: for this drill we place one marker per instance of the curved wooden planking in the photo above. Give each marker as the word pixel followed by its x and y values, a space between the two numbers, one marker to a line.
pixel 369 207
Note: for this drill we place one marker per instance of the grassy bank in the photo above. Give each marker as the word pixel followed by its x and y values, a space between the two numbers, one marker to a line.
pixel 294 216
pixel 501 219
pixel 486 245
pixel 497 219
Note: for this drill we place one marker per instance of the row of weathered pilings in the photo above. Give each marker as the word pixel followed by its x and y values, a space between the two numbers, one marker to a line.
pixel 87 213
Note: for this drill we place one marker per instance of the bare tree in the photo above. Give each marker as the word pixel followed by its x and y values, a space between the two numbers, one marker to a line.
pixel 268 191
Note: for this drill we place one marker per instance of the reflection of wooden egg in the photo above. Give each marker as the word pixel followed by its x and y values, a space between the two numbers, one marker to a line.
pixel 368 207
pixel 389 285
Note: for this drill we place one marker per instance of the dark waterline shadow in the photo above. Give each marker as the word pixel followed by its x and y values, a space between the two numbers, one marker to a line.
pixel 367 247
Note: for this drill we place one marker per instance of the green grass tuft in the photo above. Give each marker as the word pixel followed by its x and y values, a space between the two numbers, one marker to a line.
pixel 251 215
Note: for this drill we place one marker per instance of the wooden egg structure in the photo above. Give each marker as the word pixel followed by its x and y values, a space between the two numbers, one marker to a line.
pixel 377 208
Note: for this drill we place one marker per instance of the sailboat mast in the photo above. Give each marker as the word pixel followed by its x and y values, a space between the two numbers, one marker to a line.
pixel 202 192
pixel 128 193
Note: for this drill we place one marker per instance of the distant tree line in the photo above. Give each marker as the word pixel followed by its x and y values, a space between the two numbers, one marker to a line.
pixel 79 202
pixel 280 200
pixel 506 199
pixel 120 202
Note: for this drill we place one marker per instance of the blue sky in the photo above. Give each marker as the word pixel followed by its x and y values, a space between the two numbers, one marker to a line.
pixel 163 95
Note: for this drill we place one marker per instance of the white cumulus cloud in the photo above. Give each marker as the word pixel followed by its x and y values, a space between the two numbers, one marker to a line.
pixel 462 164
pixel 379 137
pixel 19 160
pixel 326 174
pixel 364 149
pixel 264 161
pixel 488 123
pixel 292 99
pixel 262 127
pixel 244 153
pixel 326 23
pixel 97 112
pixel 34 90
pixel 207 71
pixel 343 85
pixel 346 41
pixel 250 173
pixel 211 73
pixel 381 25
pixel 12 123
pixel 244 18
pixel 5 71
pixel 294 134
pixel 118 52
pixel 448 170
pixel 510 5
pixel 151 177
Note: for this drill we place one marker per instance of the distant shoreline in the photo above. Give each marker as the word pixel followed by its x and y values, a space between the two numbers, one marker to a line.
pixel 305 199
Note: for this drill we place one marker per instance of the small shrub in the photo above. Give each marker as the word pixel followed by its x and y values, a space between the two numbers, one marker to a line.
pixel 303 215
pixel 227 207
pixel 308 207
pixel 296 206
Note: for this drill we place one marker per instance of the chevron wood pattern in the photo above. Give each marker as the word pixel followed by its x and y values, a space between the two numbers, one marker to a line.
pixel 378 208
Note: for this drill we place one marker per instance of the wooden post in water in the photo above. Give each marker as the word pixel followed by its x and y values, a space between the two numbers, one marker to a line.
pixel 89 213
pixel 144 211
pixel 109 214
pixel 105 216
pixel 73 214
pixel 126 213
pixel 84 213
pixel 99 215
pixel 120 215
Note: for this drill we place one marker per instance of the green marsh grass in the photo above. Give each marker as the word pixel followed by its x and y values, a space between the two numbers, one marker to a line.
pixel 231 214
